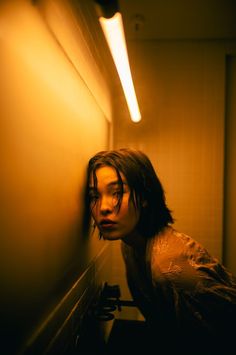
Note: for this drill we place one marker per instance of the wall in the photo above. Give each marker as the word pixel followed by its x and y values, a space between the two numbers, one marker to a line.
pixel 180 86
pixel 230 167
pixel 55 113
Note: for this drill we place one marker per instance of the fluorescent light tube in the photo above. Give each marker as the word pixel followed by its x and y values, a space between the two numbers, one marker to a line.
pixel 114 34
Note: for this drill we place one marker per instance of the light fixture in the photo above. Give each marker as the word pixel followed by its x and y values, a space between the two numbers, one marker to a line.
pixel 112 25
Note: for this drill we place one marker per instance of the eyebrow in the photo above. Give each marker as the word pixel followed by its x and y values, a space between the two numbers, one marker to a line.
pixel 112 183
pixel 117 182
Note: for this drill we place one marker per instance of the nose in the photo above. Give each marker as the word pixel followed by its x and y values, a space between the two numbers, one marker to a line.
pixel 105 205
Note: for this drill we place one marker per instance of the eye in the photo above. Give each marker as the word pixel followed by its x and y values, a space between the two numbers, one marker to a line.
pixel 117 193
pixel 117 196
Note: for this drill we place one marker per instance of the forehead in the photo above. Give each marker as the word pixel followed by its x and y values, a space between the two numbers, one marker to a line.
pixel 106 175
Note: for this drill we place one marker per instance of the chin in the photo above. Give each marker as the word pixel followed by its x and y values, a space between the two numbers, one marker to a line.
pixel 111 237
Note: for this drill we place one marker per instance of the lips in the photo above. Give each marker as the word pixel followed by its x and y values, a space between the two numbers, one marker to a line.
pixel 107 224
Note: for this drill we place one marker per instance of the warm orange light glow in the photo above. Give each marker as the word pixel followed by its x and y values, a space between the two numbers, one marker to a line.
pixel 114 34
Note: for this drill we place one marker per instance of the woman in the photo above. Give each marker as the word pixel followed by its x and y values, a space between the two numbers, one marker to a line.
pixel 186 296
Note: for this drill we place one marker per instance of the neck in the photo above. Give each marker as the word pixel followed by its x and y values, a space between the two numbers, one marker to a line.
pixel 136 241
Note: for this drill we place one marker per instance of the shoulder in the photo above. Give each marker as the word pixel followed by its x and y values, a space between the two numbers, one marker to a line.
pixel 173 259
pixel 172 244
pixel 168 244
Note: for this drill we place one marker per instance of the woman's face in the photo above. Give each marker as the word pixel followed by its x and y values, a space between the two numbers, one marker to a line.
pixel 113 223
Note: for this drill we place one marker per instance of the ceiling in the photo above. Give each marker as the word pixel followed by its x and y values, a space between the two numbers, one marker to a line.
pixel 179 19
pixel 157 20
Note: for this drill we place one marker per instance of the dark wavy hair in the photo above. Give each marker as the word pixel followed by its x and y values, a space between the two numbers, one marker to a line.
pixel 146 191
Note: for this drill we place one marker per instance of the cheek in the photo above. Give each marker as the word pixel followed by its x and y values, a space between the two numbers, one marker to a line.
pixel 130 214
pixel 135 215
pixel 94 212
pixel 134 218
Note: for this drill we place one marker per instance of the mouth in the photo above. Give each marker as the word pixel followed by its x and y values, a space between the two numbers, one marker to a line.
pixel 107 224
